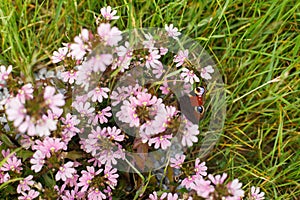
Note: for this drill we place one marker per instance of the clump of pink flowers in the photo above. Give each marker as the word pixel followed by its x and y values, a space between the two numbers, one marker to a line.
pixel 66 141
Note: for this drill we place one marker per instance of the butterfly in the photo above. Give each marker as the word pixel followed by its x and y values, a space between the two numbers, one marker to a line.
pixel 192 105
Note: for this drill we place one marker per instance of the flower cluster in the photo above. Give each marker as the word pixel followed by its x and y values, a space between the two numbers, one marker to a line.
pixel 75 126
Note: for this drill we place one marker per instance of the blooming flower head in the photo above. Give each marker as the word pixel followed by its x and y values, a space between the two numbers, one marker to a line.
pixel 234 188
pixel 200 169
pixel 177 161
pixel 25 92
pixel 255 194
pixel 114 134
pixel 163 141
pixel 98 94
pixel 110 36
pixel 172 31
pixel 50 146
pixel 206 71
pixel 102 115
pixel 25 183
pixel 87 176
pixel 37 161
pixel 189 134
pixel 4 73
pixel 165 89
pixel 189 76
pixel 217 179
pixel 111 175
pixel 54 101
pixel 95 194
pixel 80 47
pixel 15 111
pixel 4 177
pixel 108 14
pixel 65 171
pixel 202 187
pixel 181 57
pixel 188 182
pixel 152 59
pixel 12 164
pixel 69 76
pixel 59 55
pixel 32 194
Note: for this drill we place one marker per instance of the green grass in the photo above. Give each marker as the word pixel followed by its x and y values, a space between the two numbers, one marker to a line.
pixel 252 42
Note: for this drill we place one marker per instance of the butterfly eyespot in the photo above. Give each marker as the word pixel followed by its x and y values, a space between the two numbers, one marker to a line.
pixel 199 109
pixel 199 90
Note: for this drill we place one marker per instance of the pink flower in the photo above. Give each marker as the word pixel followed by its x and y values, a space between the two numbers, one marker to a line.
pixel 107 14
pixel 25 93
pixel 114 134
pixel 110 36
pixel 255 194
pixel 162 141
pixel 70 123
pixel 87 176
pixel 172 196
pixel 111 175
pixel 102 115
pixel 25 183
pixel 79 48
pixel 45 125
pixel 152 60
pixel 84 74
pixel 200 169
pixel 59 55
pixel 69 76
pixel 109 155
pixel 32 194
pixel 164 117
pixel 84 109
pixel 234 188
pixel 4 177
pixel 12 164
pixel 189 76
pixel 165 89
pixel 51 145
pixel 217 179
pixel 206 71
pixel 181 57
pixel 189 134
pixel 65 171
pixel 15 111
pixel 100 62
pixel 54 101
pixel 177 161
pixel 124 50
pixel 149 42
pixel 163 51
pixel 37 161
pixel 188 182
pixel 119 95
pixel 72 195
pixel 127 113
pixel 28 125
pixel 202 187
pixel 153 196
pixel 144 99
pixel 4 73
pixel 172 31
pixel 70 128
pixel 95 194
pixel 98 94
